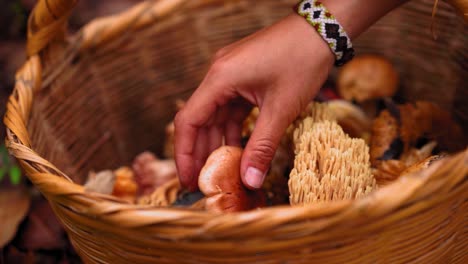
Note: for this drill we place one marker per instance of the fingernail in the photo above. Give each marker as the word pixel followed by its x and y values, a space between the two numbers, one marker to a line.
pixel 254 177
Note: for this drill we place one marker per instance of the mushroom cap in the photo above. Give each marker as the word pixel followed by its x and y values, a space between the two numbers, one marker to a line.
pixel 125 186
pixel 367 77
pixel 221 183
pixel 221 171
pixel 351 118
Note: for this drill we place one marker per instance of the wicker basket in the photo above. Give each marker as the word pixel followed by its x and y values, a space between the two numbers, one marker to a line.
pixel 96 99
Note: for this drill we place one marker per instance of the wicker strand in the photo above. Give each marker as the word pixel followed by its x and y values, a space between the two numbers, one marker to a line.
pixel 48 22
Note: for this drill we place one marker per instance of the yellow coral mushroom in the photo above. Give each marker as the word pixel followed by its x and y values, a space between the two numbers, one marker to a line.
pixel 314 112
pixel 329 165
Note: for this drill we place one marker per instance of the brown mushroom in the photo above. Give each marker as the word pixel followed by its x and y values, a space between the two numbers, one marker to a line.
pixel 425 119
pixel 151 172
pixel 221 183
pixel 397 134
pixel 387 171
pixel 351 118
pixel 367 77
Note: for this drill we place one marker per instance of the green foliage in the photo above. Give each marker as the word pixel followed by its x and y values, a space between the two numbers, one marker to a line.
pixel 15 175
pixel 6 165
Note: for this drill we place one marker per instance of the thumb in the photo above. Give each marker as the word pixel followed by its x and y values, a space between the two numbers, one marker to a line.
pixel 262 146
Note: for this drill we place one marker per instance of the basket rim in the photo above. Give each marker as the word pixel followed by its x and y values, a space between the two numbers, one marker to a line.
pixel 46 176
pixel 58 188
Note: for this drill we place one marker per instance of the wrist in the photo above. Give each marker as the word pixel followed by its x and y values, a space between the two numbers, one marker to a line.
pixel 314 43
pixel 330 30
pixel 337 21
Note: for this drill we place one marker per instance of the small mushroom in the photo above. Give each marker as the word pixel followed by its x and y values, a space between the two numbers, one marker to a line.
pixel 221 183
pixel 351 118
pixel 367 77
pixel 125 186
pixel 151 172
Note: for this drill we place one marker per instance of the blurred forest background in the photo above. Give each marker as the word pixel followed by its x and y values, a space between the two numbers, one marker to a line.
pixel 29 231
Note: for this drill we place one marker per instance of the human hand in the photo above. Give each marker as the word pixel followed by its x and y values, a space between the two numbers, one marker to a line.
pixel 279 69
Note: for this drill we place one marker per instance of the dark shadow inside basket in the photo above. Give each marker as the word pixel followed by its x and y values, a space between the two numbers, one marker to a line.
pixel 103 106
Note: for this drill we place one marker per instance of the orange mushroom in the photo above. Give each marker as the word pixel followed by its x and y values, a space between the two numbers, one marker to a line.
pixel 125 186
pixel 221 183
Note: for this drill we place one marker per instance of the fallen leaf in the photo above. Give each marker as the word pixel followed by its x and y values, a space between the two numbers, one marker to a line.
pixel 14 204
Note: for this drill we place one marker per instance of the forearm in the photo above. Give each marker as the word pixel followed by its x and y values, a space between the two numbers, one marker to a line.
pixel 355 16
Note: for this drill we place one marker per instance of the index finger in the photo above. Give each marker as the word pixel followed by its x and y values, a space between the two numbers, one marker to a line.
pixel 196 114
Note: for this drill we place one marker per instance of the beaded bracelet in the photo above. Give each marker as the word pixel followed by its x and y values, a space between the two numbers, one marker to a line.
pixel 328 27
